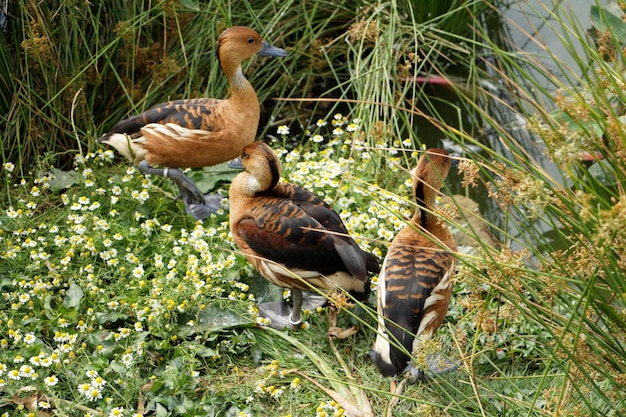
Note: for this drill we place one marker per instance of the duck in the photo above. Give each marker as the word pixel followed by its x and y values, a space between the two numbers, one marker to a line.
pixel 198 132
pixel 292 237
pixel 416 279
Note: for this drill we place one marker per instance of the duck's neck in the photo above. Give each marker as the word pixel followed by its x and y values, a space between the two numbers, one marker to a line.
pixel 240 88
pixel 249 185
pixel 425 198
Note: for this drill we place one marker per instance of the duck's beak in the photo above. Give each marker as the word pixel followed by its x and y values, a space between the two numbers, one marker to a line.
pixel 269 50
pixel 236 164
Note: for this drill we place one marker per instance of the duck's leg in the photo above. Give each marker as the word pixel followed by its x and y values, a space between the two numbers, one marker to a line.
pixel 196 204
pixel 281 314
pixel 295 318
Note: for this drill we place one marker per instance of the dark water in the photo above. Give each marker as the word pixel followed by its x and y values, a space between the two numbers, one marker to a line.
pixel 531 28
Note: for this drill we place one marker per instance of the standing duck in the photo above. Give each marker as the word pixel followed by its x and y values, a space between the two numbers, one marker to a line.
pixel 195 133
pixel 415 284
pixel 292 237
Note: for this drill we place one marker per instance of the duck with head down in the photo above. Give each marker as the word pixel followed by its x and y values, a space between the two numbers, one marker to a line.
pixel 415 282
pixel 195 133
pixel 292 237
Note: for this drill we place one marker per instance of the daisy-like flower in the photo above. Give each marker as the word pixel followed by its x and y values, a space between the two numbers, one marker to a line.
pixel 295 384
pixel 116 412
pixel 84 388
pixel 317 138
pixel 98 382
pixel 51 381
pixel 29 338
pixel 28 371
pixel 158 261
pixel 123 333
pixel 276 392
pixel 93 393
pixel 320 123
pixel 9 167
pixel 127 359
pixel 12 214
pixel 45 361
pixel 138 271
pixel 283 130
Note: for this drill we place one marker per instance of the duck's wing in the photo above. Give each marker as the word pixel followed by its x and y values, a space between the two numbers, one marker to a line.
pixel 317 208
pixel 417 287
pixel 193 114
pixel 312 205
pixel 284 233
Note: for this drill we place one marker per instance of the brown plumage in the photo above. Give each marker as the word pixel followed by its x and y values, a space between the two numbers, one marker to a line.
pixel 415 283
pixel 291 236
pixel 194 133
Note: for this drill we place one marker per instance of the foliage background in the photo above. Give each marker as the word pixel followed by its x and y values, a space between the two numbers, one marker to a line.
pixel 538 314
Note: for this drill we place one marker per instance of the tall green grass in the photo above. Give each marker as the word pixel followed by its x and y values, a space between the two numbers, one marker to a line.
pixel 558 265
pixel 71 69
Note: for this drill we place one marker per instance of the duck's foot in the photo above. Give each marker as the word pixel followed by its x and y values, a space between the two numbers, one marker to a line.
pixel 437 365
pixel 211 204
pixel 196 204
pixel 312 300
pixel 280 315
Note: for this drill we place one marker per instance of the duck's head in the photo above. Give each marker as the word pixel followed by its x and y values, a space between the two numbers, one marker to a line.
pixel 239 43
pixel 262 164
pixel 432 169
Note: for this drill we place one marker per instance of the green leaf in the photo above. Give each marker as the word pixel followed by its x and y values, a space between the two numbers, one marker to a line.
pixel 224 314
pixel 603 172
pixel 588 128
pixel 191 5
pixel 63 179
pixel 161 411
pixel 603 20
pixel 73 296
pixel 110 317
pixel 209 178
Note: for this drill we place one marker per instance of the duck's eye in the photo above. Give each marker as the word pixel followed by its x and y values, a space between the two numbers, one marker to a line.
pixel 251 40
pixel 244 155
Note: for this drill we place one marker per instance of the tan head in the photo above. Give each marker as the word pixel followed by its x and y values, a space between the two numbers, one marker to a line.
pixel 261 163
pixel 429 175
pixel 239 43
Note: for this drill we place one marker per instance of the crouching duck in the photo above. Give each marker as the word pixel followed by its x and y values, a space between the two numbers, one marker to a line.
pixel 292 237
pixel 415 282
pixel 195 133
